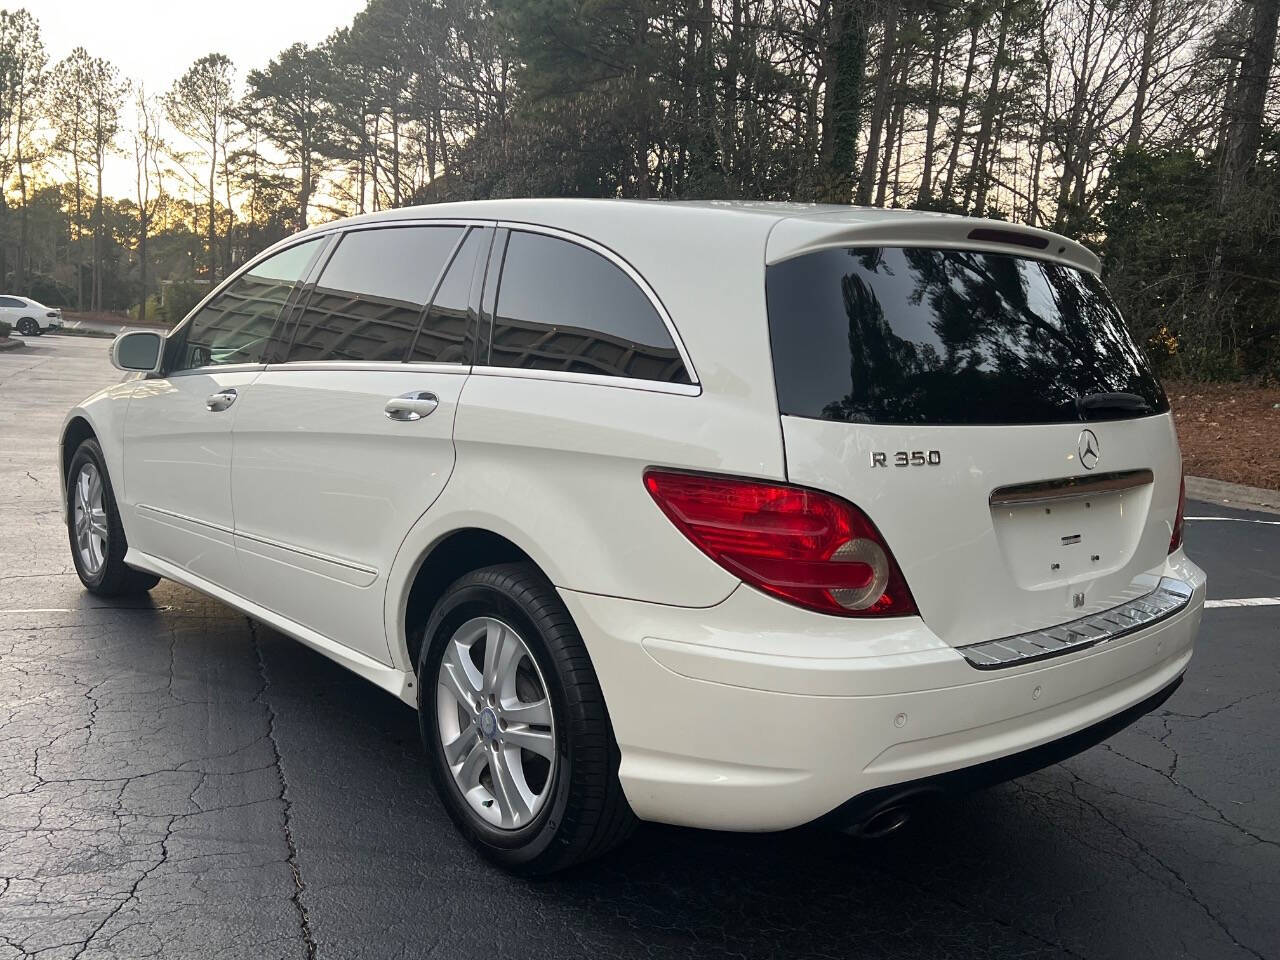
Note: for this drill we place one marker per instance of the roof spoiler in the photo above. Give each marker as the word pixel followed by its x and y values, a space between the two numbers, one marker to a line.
pixel 803 234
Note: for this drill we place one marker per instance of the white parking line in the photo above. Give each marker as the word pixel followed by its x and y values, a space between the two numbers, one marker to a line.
pixel 1245 602
pixel 1269 523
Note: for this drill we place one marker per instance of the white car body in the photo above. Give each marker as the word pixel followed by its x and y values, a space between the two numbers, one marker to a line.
pixel 18 312
pixel 304 506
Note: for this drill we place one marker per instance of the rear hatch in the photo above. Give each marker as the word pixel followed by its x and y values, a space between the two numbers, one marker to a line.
pixel 989 411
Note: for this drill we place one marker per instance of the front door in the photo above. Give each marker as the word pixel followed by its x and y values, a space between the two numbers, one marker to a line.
pixel 177 444
pixel 344 445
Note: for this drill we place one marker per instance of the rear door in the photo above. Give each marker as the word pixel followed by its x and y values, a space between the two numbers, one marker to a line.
pixel 344 444
pixel 990 412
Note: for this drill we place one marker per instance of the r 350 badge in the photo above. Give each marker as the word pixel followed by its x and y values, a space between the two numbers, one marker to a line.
pixel 904 458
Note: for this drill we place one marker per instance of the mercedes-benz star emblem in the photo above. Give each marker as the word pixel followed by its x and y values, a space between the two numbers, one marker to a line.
pixel 1089 449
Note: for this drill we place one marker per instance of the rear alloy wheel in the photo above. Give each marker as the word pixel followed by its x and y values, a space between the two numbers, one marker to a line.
pixel 97 539
pixel 495 724
pixel 522 752
pixel 28 327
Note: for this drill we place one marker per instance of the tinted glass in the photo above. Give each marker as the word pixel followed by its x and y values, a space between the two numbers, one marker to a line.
pixel 445 334
pixel 893 335
pixel 564 307
pixel 369 297
pixel 234 326
pixel 11 302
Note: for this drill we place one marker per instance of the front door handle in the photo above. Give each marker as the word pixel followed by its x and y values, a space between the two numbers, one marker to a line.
pixel 411 406
pixel 221 400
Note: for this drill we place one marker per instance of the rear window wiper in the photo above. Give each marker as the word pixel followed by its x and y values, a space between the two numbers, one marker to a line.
pixel 1111 406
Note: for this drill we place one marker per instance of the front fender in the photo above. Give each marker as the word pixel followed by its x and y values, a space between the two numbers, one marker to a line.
pixel 103 413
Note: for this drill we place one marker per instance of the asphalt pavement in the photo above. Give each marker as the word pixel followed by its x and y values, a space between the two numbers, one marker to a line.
pixel 176 781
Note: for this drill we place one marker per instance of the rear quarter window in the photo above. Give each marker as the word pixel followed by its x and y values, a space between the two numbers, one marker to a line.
pixel 923 336
pixel 562 306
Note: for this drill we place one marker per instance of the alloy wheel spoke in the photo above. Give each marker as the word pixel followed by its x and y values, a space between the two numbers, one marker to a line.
pixel 98 523
pixel 535 741
pixel 511 801
pixel 458 748
pixel 517 711
pixel 502 651
pixel 473 765
pixel 458 681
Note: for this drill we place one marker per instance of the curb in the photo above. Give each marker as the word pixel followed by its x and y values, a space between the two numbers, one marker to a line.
pixel 1233 494
pixel 8 343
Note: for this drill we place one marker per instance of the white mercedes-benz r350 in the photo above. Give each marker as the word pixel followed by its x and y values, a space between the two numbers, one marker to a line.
pixel 731 515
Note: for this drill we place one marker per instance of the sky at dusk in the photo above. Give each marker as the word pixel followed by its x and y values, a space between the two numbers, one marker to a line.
pixel 154 41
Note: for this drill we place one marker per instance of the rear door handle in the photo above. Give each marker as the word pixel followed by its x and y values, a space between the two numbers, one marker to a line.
pixel 411 406
pixel 221 400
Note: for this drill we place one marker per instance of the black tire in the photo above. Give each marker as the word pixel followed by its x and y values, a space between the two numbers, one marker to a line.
pixel 113 579
pixel 28 327
pixel 586 814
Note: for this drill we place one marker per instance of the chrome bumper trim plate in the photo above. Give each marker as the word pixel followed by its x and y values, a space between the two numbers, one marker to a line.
pixel 1168 597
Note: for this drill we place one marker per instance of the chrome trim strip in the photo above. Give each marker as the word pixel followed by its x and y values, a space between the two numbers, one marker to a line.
pixel 373 366
pixel 628 269
pixel 211 369
pixel 596 379
pixel 1169 597
pixel 323 557
pixel 183 517
pixel 1070 488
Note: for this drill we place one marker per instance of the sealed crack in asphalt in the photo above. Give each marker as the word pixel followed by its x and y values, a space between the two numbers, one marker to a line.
pixel 299 885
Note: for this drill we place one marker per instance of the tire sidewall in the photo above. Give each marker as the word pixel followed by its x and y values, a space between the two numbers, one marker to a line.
pixel 28 327
pixel 460 604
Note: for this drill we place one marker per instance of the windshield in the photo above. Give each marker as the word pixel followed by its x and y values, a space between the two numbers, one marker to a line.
pixel 920 336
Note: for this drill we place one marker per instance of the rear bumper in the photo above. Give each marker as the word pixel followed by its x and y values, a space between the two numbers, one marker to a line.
pixel 752 715
pixel 855 812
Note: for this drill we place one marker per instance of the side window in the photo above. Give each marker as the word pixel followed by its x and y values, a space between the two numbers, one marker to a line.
pixel 11 302
pixel 234 326
pixel 445 333
pixel 370 295
pixel 564 307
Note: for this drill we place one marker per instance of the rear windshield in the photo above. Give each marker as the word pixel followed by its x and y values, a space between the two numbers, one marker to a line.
pixel 912 335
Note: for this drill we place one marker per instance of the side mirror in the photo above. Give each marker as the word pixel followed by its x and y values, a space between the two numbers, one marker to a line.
pixel 138 350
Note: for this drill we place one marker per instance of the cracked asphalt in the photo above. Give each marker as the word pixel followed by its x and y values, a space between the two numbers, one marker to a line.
pixel 176 781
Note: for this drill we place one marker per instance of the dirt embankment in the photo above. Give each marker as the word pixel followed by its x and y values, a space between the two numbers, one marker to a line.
pixel 1229 431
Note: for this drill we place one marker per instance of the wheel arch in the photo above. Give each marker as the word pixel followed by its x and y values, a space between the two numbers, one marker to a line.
pixel 76 431
pixel 450 556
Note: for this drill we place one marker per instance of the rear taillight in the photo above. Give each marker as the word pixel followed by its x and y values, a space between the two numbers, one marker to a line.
pixel 807 547
pixel 1175 541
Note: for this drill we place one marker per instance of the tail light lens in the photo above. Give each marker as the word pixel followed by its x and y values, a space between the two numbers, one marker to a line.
pixel 807 547
pixel 1175 541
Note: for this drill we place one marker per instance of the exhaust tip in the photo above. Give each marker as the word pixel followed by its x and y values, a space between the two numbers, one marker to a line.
pixel 884 822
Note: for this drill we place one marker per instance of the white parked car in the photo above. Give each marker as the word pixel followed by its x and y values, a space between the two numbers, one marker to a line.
pixel 737 516
pixel 29 317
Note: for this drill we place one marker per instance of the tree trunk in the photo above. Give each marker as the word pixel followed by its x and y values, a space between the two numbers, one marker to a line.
pixel 1144 74
pixel 213 221
pixel 931 119
pixel 983 143
pixel 894 131
pixel 879 106
pixel 953 159
pixel 1244 112
pixel 846 61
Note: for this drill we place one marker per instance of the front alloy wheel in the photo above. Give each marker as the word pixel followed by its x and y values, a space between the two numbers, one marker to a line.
pixel 89 519
pixel 98 544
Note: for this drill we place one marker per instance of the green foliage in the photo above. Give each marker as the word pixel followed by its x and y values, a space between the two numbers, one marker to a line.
pixel 180 299
pixel 5 329
pixel 1199 283
pixel 48 291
